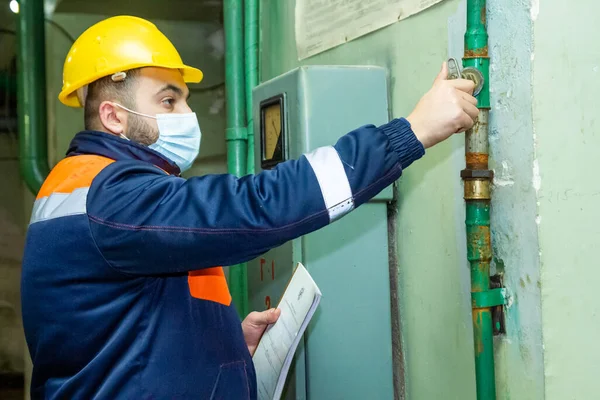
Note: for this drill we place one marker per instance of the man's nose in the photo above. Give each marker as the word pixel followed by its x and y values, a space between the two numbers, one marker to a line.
pixel 186 108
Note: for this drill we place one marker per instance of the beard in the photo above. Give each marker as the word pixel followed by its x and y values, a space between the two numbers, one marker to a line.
pixel 140 131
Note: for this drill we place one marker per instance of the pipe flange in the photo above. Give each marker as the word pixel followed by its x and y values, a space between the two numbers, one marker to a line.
pixel 477 189
pixel 477 174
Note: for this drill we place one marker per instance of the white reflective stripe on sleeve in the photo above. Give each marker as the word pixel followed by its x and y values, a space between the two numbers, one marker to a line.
pixel 335 188
pixel 60 205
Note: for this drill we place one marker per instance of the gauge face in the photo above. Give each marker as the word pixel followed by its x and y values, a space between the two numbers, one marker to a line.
pixel 272 129
pixel 272 132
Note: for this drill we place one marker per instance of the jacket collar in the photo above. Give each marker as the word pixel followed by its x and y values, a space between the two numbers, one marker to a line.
pixel 116 148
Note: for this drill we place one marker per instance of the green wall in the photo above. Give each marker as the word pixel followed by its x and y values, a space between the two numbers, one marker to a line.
pixel 566 83
pixel 433 285
pixel 434 292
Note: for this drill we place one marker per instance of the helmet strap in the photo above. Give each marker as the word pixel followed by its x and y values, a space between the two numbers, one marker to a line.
pixel 82 93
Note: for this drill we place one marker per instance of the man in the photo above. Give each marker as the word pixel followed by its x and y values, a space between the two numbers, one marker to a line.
pixel 122 294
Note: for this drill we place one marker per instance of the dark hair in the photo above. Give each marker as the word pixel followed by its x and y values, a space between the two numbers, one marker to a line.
pixel 104 89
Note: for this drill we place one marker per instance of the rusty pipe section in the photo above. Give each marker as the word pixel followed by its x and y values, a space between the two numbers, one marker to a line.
pixel 477 179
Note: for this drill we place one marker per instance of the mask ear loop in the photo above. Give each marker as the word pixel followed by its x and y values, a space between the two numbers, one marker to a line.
pixel 133 112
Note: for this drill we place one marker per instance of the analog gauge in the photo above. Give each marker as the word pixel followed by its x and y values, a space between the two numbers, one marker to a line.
pixel 272 131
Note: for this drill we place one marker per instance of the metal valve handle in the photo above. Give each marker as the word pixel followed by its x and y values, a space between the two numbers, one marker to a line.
pixel 470 73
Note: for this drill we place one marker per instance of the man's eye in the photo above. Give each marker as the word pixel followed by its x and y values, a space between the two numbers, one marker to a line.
pixel 168 102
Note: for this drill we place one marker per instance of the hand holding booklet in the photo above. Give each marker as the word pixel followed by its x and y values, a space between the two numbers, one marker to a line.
pixel 278 345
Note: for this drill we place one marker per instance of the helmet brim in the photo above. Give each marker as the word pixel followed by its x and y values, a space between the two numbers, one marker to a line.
pixel 189 74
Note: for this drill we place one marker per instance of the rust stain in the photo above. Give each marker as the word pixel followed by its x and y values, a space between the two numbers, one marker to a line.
pixel 483 19
pixel 477 160
pixel 478 287
pixel 478 332
pixel 477 53
pixel 480 127
pixel 485 242
pixel 480 236
pixel 480 241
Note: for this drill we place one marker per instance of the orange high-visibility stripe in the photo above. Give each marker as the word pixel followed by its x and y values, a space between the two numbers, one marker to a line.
pixel 73 173
pixel 79 172
pixel 210 284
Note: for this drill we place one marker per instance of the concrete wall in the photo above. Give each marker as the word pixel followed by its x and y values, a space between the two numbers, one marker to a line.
pixel 12 237
pixel 519 353
pixel 12 222
pixel 433 270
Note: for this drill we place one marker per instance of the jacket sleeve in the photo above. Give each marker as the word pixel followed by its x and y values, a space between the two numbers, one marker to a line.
pixel 145 222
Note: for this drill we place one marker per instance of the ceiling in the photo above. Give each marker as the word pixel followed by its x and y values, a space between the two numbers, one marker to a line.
pixel 7 18
pixel 8 22
pixel 181 10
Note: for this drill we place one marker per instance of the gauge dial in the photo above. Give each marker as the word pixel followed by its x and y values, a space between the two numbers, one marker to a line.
pixel 272 131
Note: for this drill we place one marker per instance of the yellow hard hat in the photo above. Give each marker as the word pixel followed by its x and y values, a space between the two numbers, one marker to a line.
pixel 114 45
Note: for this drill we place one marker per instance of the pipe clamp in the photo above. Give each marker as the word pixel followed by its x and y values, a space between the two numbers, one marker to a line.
pixel 489 298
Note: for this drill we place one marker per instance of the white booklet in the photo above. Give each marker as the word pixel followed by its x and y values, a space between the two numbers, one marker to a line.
pixel 278 345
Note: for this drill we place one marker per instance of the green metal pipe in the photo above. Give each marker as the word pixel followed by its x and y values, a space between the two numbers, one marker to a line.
pixel 477 179
pixel 476 37
pixel 31 94
pixel 235 134
pixel 251 58
pixel 476 46
pixel 484 347
pixel 479 256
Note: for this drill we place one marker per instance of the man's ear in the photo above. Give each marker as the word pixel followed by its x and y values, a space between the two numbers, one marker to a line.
pixel 112 118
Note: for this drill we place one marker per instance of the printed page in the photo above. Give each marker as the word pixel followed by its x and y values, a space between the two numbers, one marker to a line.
pixel 278 345
pixel 324 24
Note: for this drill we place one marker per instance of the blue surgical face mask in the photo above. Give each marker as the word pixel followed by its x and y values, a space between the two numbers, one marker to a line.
pixel 178 137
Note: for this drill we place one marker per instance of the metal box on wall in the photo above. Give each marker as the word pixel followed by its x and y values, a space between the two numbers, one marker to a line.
pixel 347 350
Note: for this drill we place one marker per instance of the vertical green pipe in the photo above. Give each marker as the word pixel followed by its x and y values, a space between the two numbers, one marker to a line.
pixel 476 46
pixel 237 152
pixel 251 57
pixel 31 95
pixel 477 197
pixel 479 256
